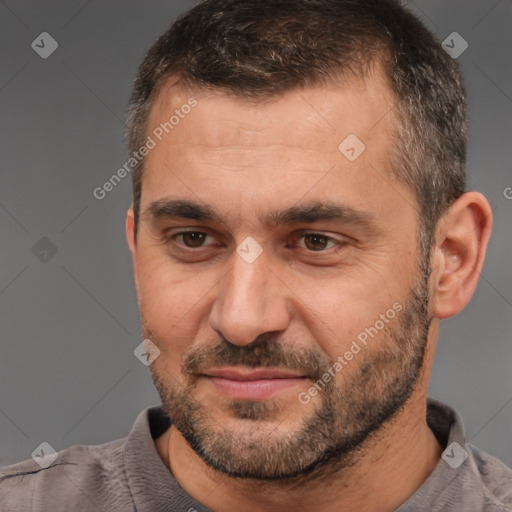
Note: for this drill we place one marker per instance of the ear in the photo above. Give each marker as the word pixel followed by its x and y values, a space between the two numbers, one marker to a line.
pixel 132 243
pixel 461 240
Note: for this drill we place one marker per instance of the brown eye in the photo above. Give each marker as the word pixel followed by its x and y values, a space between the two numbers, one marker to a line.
pixel 316 242
pixel 193 238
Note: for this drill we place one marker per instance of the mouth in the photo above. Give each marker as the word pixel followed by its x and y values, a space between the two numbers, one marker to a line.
pixel 252 383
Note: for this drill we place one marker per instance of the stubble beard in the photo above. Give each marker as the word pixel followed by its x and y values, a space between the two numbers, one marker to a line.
pixel 375 385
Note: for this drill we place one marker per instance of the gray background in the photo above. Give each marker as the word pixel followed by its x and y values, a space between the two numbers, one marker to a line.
pixel 68 326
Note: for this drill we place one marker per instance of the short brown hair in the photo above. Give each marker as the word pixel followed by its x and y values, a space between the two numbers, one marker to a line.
pixel 260 49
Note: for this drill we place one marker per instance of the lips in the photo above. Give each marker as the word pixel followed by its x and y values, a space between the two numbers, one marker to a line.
pixel 252 384
pixel 252 374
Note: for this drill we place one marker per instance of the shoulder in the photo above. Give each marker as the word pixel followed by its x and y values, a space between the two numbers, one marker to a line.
pixel 481 481
pixel 496 479
pixel 82 477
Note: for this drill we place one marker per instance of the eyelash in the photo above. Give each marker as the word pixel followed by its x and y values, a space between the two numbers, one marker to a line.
pixel 340 245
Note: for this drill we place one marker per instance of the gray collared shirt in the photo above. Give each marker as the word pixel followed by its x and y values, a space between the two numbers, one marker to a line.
pixel 128 475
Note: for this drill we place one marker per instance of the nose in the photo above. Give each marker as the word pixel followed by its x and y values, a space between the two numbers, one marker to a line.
pixel 251 301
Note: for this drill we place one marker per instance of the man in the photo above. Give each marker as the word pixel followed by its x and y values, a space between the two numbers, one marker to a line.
pixel 299 228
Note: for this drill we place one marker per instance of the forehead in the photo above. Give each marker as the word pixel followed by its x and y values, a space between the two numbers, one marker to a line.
pixel 300 125
pixel 275 151
pixel 360 102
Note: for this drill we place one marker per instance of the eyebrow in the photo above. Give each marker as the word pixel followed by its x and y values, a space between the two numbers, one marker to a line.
pixel 315 211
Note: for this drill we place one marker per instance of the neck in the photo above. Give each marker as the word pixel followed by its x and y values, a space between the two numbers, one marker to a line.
pixel 390 466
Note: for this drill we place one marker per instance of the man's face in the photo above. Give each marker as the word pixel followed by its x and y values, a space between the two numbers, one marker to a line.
pixel 279 353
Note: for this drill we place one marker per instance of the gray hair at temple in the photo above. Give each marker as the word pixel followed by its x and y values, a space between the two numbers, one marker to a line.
pixel 261 49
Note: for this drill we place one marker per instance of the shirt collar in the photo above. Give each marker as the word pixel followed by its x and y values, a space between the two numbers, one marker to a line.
pixel 154 489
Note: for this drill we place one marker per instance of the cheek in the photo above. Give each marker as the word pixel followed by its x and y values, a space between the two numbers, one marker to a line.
pixel 336 312
pixel 172 302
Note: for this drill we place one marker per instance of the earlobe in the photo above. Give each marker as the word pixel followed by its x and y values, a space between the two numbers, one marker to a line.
pixel 461 242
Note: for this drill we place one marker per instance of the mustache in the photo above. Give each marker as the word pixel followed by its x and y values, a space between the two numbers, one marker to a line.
pixel 265 351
